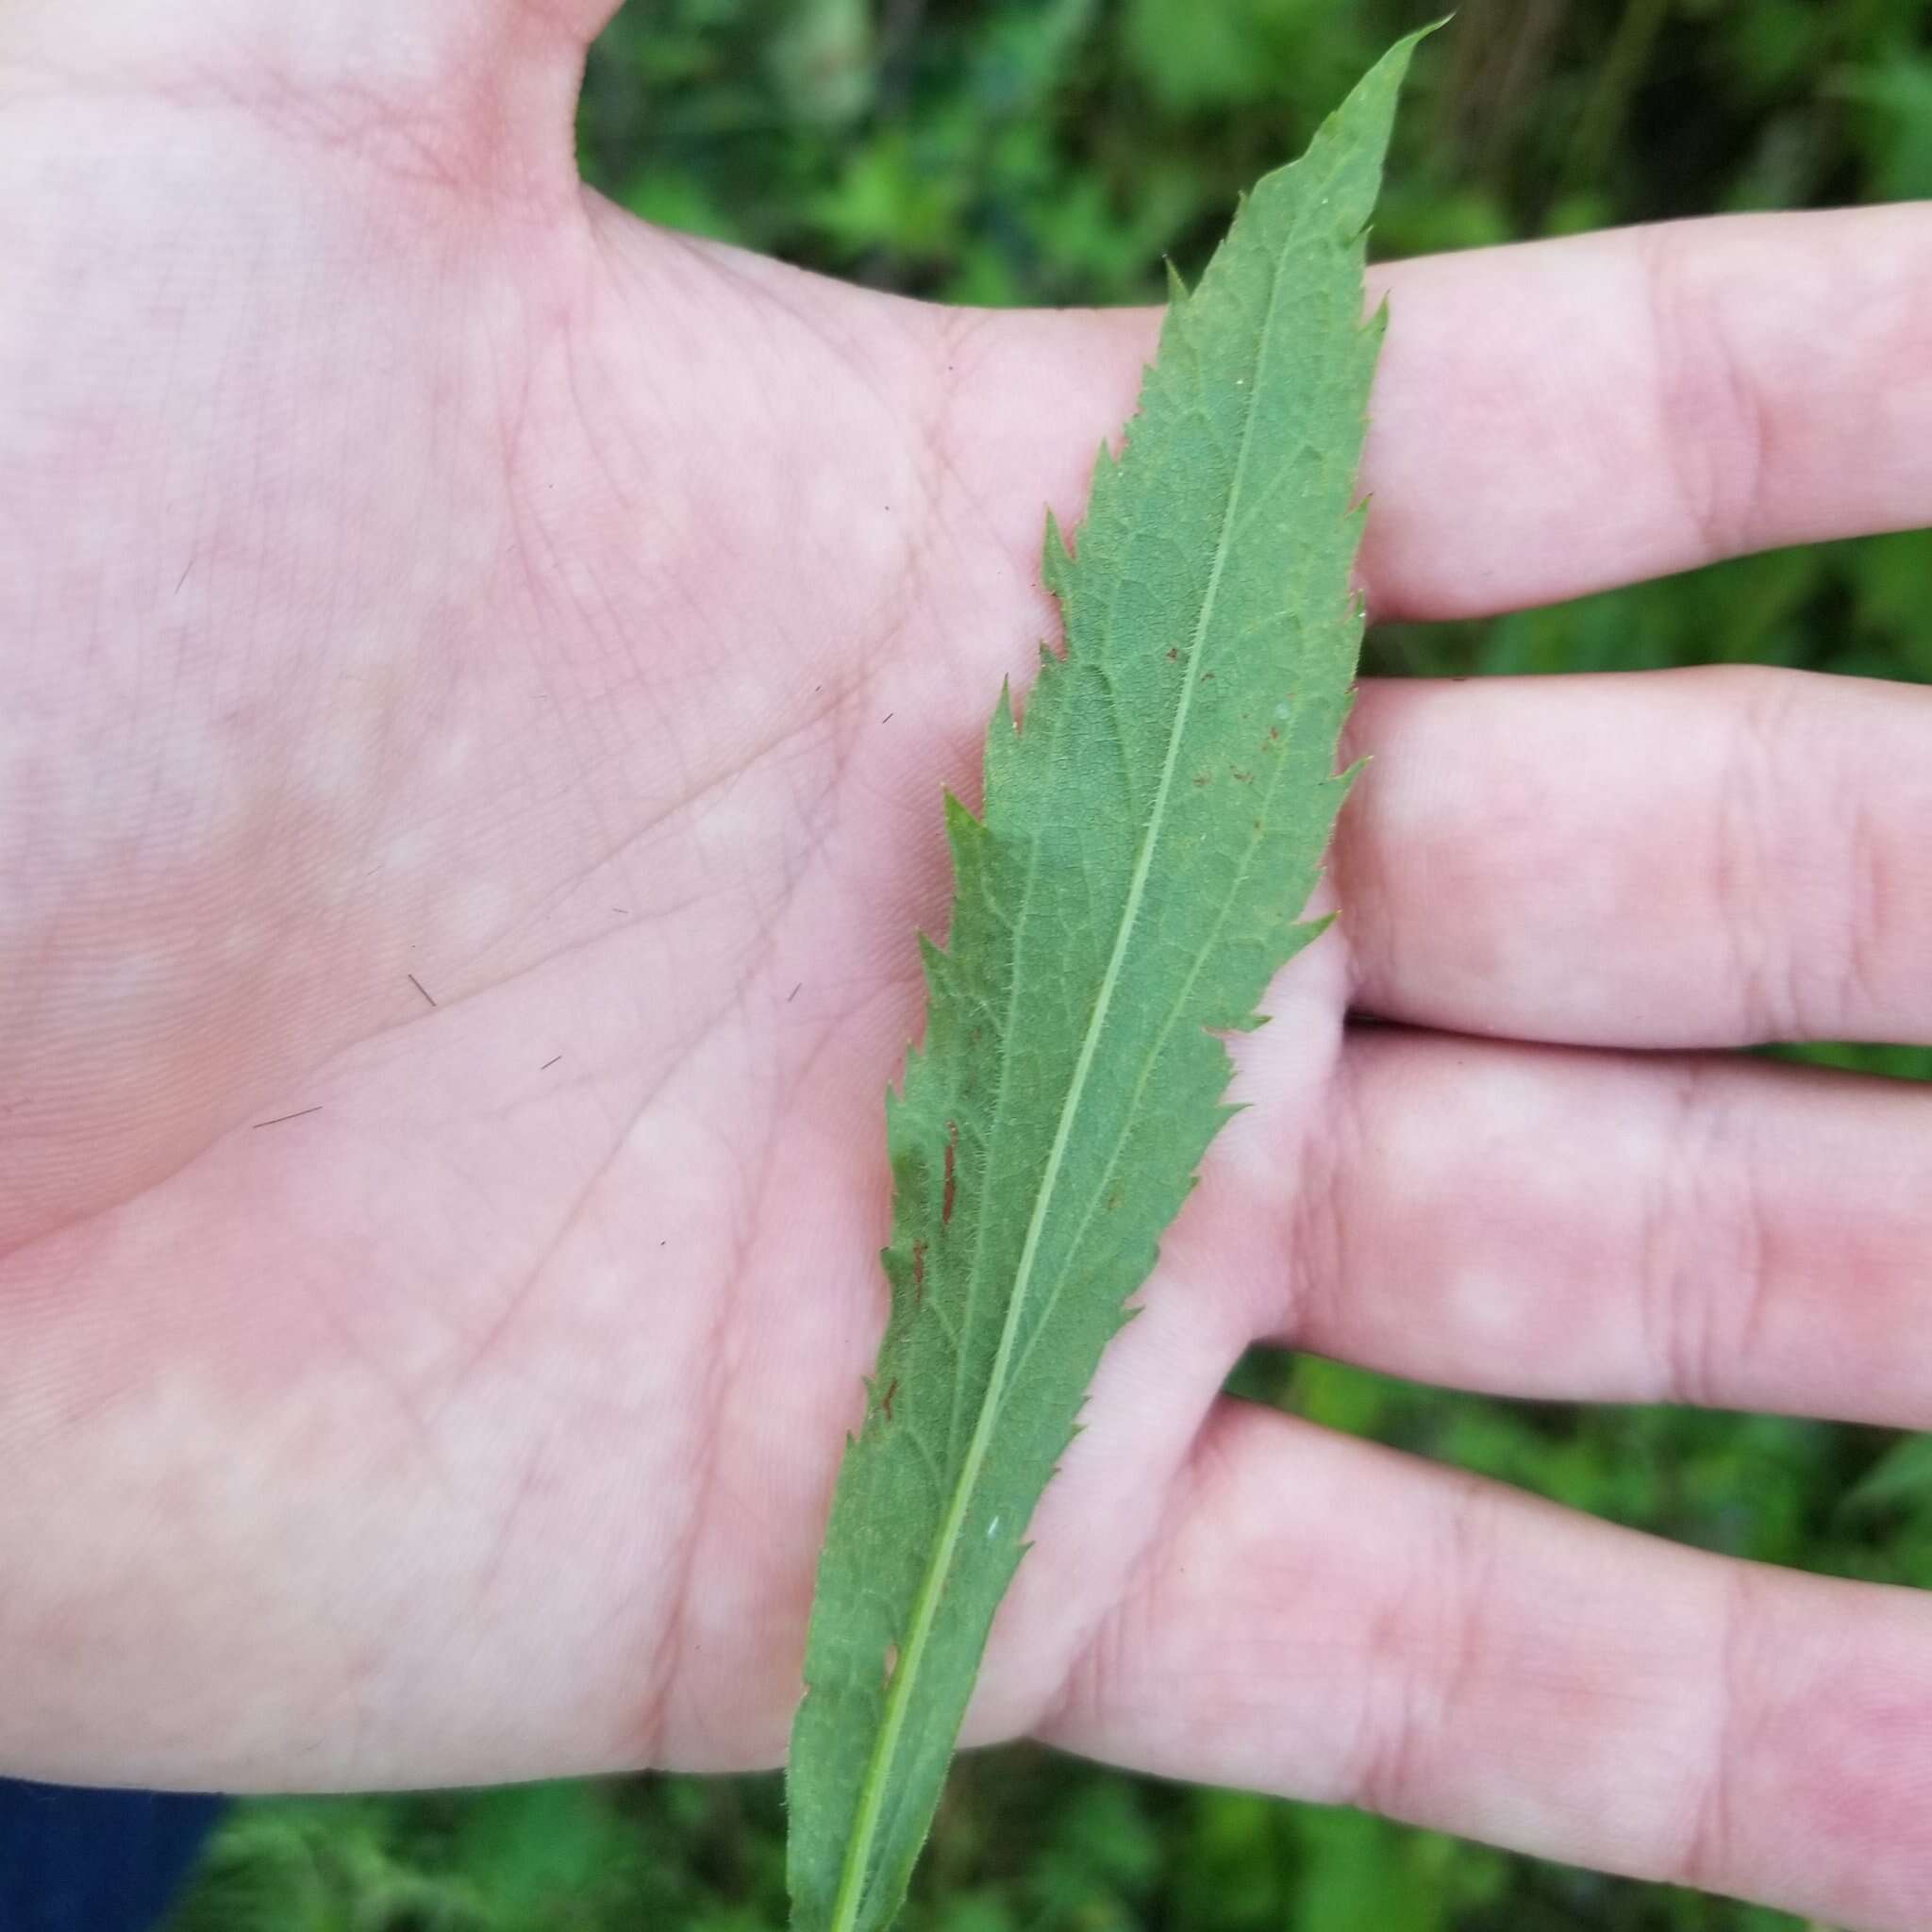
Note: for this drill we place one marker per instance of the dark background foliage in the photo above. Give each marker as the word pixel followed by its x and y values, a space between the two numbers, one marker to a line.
pixel 1055 150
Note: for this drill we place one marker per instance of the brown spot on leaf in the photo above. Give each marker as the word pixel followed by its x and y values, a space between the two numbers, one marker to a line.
pixel 918 1273
pixel 886 1400
pixel 952 1173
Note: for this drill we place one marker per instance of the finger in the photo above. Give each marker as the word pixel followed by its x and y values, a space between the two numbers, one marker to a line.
pixel 372 29
pixel 1556 417
pixel 444 92
pixel 1706 857
pixel 1560 417
pixel 1324 1618
pixel 1598 1228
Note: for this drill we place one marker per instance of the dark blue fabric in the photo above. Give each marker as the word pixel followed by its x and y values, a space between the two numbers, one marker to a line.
pixel 94 1861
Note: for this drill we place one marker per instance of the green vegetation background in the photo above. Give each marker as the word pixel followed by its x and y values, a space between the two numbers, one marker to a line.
pixel 1055 150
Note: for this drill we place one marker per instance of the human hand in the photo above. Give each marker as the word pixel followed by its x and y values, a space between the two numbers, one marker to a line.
pixel 420 582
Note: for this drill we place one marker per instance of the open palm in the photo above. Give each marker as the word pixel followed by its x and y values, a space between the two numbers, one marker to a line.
pixel 477 677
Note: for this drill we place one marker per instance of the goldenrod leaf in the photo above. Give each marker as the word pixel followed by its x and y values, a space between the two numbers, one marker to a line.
pixel 1149 837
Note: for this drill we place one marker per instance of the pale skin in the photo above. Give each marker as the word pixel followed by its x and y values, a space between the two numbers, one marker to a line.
pixel 421 582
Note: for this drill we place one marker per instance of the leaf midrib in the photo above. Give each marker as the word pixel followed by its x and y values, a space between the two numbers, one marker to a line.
pixel 926 1610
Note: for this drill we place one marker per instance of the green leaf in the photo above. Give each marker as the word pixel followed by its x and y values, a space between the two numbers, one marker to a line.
pixel 1149 838
pixel 1901 1478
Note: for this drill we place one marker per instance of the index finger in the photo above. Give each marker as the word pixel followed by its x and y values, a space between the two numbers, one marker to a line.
pixel 1550 418
pixel 1562 417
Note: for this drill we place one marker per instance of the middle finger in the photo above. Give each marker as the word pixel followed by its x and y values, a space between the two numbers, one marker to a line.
pixel 1709 858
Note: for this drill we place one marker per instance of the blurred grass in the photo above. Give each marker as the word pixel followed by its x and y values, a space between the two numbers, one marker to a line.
pixel 1054 151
